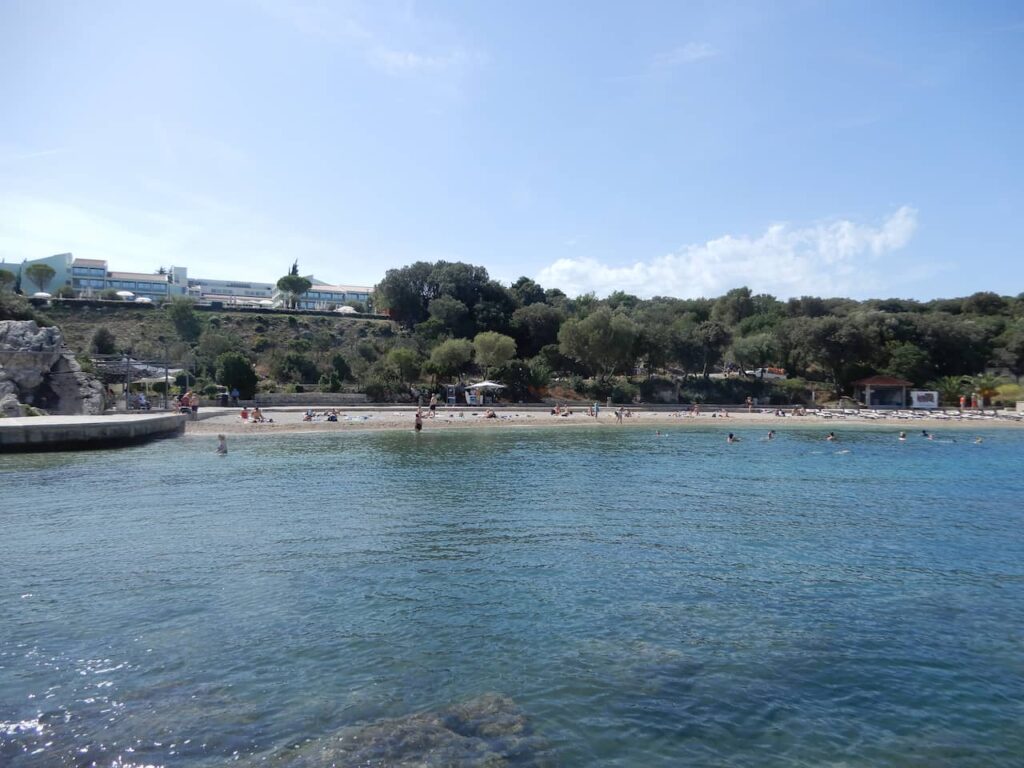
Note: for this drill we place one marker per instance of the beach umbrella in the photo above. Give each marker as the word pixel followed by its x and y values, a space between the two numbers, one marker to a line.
pixel 143 300
pixel 346 310
pixel 125 295
pixel 41 295
pixel 486 385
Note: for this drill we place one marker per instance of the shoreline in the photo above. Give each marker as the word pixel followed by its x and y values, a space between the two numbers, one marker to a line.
pixel 399 418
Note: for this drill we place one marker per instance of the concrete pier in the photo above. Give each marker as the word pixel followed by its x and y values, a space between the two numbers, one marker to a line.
pixel 66 433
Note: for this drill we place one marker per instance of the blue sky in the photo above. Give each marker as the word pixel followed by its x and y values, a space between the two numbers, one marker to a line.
pixel 831 148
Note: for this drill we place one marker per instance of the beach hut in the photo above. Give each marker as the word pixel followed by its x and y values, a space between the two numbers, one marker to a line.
pixel 882 391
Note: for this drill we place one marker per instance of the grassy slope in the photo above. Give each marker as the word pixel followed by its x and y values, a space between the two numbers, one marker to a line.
pixel 260 335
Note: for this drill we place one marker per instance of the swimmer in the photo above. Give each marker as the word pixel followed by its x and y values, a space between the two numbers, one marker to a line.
pixel 979 440
pixel 771 434
pixel 831 437
pixel 926 434
pixel 903 437
pixel 732 438
pixel 419 420
pixel 222 445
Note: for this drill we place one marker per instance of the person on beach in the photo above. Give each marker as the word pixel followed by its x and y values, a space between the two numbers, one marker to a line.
pixel 831 437
pixel 618 414
pixel 419 419
pixel 750 404
pixel 597 409
pixel 194 402
pixel 244 414
pixel 257 416
pixel 234 395
pixel 433 405
pixel 222 445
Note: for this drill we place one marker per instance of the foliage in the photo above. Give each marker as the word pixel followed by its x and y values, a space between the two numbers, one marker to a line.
pixel 293 286
pixel 493 349
pixel 294 367
pixel 65 292
pixel 234 370
pixel 15 307
pixel 103 341
pixel 603 342
pixel 330 382
pixel 40 274
pixel 949 388
pixel 7 279
pixel 451 357
pixel 183 315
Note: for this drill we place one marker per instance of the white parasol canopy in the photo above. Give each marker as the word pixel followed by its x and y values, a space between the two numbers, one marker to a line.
pixel 143 300
pixel 125 294
pixel 486 385
pixel 41 295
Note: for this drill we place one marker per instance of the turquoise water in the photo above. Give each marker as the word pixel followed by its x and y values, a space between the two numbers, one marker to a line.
pixel 571 597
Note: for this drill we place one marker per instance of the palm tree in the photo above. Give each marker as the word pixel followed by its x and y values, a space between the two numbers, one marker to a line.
pixel 949 388
pixel 986 385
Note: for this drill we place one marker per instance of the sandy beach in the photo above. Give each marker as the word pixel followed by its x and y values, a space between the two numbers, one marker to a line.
pixel 292 420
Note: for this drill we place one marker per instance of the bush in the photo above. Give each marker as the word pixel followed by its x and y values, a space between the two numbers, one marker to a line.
pixel 623 391
pixel 103 341
pixel 235 371
pixel 65 292
pixel 330 382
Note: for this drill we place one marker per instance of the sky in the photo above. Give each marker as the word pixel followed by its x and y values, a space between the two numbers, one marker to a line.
pixel 863 149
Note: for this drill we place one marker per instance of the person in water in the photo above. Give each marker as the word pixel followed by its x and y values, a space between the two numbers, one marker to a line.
pixel 419 420
pixel 222 445
pixel 771 434
pixel 926 434
pixel 831 437
pixel 903 437
pixel 732 438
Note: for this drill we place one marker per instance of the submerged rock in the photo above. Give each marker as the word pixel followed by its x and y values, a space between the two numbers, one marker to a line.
pixel 37 369
pixel 488 731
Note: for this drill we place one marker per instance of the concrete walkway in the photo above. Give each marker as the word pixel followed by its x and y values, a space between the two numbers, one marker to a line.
pixel 63 433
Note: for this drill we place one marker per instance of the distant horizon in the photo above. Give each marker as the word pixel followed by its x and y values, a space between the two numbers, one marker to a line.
pixel 601 296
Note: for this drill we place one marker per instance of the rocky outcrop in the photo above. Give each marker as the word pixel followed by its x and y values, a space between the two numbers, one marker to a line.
pixel 37 369
pixel 488 731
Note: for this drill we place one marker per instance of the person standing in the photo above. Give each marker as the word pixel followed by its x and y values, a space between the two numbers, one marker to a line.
pixel 433 405
pixel 222 445
pixel 419 420
pixel 234 395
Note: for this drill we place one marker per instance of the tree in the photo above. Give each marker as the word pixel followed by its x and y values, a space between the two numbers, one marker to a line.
pixel 493 349
pixel 234 370
pixel 603 341
pixel 341 367
pixel 7 279
pixel 711 337
pixel 451 357
pixel 451 313
pixel 535 326
pixel 1010 354
pixel 293 286
pixel 405 293
pixel 103 341
pixel 949 388
pixel 40 274
pixel 406 364
pixel 527 292
pixel 986 385
pixel 182 314
pixel 907 361
pixel 754 351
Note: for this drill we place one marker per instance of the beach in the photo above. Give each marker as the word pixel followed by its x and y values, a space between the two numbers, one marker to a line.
pixel 291 420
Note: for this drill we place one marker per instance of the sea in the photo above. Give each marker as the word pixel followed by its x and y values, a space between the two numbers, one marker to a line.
pixel 517 597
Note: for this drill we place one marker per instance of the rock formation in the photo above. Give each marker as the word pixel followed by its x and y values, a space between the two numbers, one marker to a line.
pixel 37 369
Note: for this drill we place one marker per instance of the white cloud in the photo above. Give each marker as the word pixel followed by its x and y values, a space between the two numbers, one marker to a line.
pixel 834 258
pixel 397 62
pixel 684 54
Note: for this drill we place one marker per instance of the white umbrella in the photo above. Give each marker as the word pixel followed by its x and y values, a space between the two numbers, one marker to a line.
pixel 143 300
pixel 346 310
pixel 486 385
pixel 125 295
pixel 41 295
pixel 266 302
